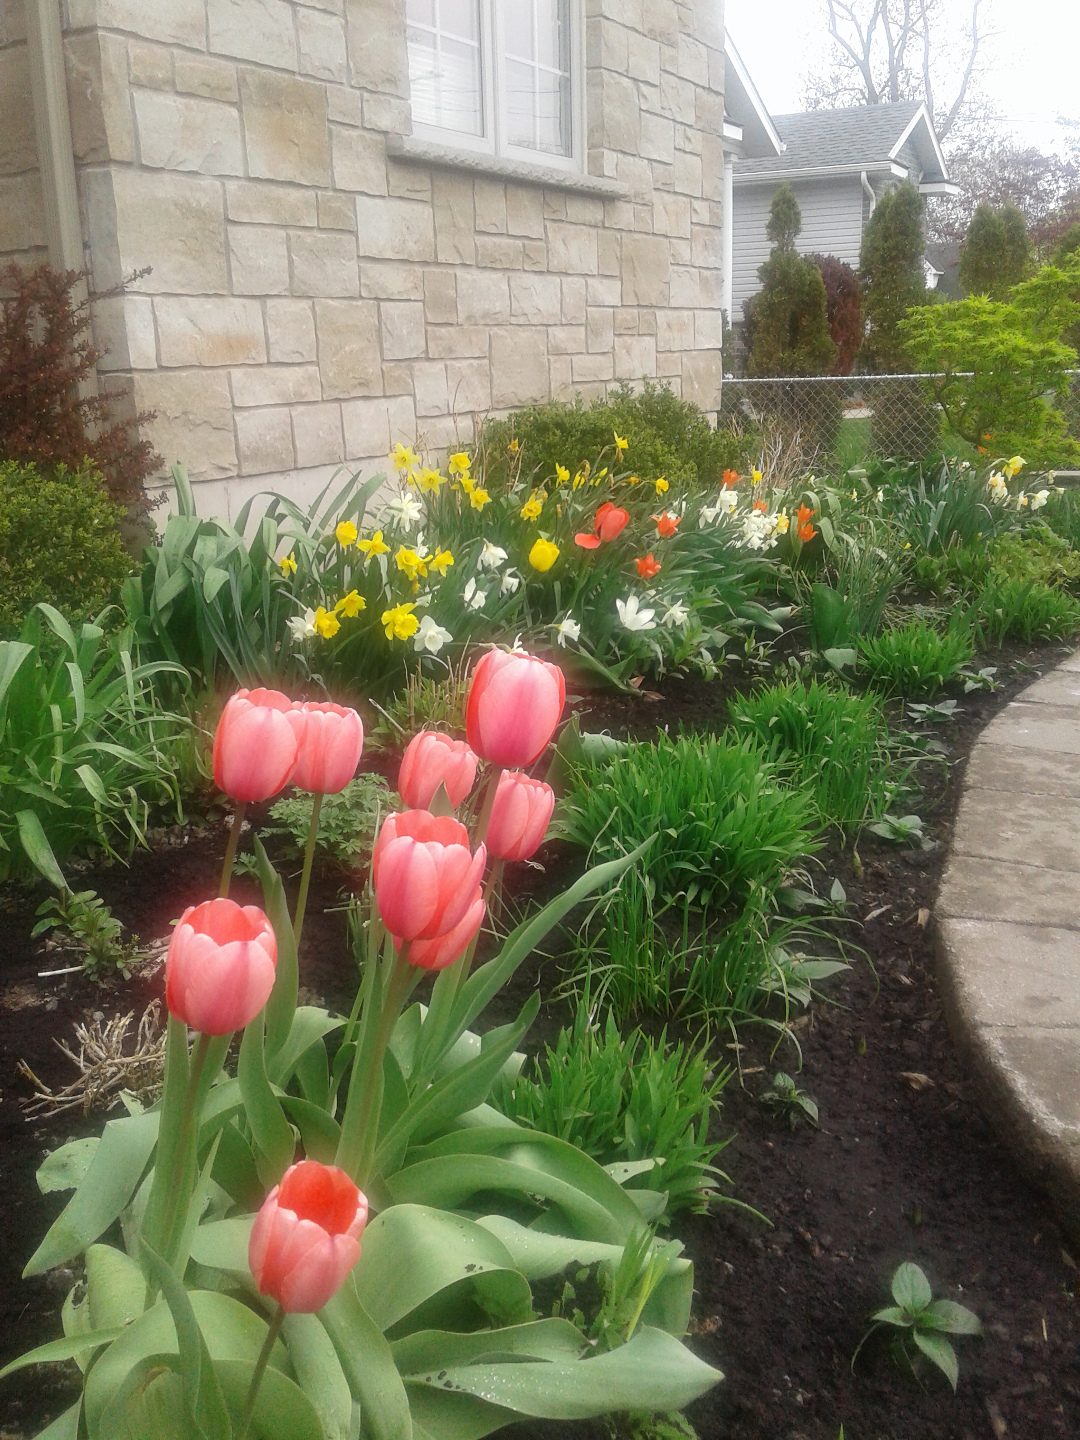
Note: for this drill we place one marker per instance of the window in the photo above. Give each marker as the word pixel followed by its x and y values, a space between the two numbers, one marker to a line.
pixel 497 75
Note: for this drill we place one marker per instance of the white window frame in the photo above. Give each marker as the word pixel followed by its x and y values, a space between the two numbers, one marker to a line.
pixel 493 99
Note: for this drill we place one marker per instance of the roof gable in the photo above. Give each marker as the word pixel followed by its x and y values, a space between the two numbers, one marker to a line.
pixel 854 138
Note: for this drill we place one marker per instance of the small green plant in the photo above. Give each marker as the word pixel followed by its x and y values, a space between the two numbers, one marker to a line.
pixel 902 829
pixel 93 930
pixel 915 659
pixel 786 1099
pixel 1024 610
pixel 918 1317
pixel 425 703
pixel 347 821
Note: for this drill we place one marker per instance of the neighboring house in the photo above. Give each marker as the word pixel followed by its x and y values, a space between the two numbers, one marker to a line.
pixel 838 162
pixel 369 220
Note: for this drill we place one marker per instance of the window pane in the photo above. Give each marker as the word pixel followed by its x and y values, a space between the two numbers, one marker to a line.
pixel 443 39
pixel 536 75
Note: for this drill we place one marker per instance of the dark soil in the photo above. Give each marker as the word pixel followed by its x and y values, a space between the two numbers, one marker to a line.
pixel 898 1170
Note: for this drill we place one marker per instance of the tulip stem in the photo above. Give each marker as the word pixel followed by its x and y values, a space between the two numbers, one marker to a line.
pixel 260 1370
pixel 230 848
pixel 484 818
pixel 305 878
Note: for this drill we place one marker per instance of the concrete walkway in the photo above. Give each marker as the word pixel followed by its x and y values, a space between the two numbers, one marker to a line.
pixel 1008 928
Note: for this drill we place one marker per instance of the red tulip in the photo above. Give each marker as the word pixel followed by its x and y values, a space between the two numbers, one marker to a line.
pixel 667 525
pixel 306 1237
pixel 610 522
pixel 220 967
pixel 425 877
pixel 330 741
pixel 515 702
pixel 648 567
pixel 254 748
pixel 520 816
pixel 437 954
pixel 432 760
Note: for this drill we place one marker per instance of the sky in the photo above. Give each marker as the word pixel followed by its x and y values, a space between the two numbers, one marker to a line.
pixel 1033 74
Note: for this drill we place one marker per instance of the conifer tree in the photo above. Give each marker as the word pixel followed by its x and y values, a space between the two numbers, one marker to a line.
pixel 996 254
pixel 787 324
pixel 893 276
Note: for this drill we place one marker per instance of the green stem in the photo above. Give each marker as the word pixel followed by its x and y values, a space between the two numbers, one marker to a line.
pixel 484 818
pixel 305 878
pixel 186 1143
pixel 230 848
pixel 260 1370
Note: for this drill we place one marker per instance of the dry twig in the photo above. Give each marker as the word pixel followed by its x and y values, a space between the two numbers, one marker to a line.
pixel 107 1070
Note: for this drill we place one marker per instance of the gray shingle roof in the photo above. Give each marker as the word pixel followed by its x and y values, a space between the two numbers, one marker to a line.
pixel 862 135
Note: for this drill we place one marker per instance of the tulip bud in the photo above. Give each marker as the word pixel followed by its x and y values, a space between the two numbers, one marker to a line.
pixel 519 817
pixel 432 760
pixel 515 703
pixel 220 968
pixel 330 741
pixel 424 875
pixel 254 747
pixel 306 1237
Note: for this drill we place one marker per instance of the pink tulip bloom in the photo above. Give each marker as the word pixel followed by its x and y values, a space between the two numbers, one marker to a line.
pixel 609 523
pixel 515 703
pixel 437 954
pixel 425 877
pixel 220 967
pixel 306 1237
pixel 254 747
pixel 520 816
pixel 330 741
pixel 432 760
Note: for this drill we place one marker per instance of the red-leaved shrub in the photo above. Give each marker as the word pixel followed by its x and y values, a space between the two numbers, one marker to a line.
pixel 843 306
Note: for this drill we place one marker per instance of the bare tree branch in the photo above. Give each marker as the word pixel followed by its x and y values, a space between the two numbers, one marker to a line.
pixel 973 54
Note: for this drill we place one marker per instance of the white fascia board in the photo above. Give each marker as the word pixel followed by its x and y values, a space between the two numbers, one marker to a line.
pixel 922 116
pixel 819 172
pixel 736 60
pixel 940 187
pixel 733 132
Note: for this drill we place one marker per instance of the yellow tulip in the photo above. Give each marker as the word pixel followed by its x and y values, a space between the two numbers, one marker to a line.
pixel 543 555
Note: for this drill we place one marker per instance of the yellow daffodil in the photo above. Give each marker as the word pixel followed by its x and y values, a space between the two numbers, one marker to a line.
pixel 459 464
pixel 579 481
pixel 350 605
pixel 346 534
pixel 1015 465
pixel 400 623
pixel 441 562
pixel 633 479
pixel 404 457
pixel 468 484
pixel 532 509
pixel 478 498
pixel 756 476
pixel 430 480
pixel 783 523
pixel 410 563
pixel 326 623
pixel 543 555
pixel 514 447
pixel 621 445
pixel 375 546
pixel 662 486
pixel 288 565
pixel 562 474
pixel 854 495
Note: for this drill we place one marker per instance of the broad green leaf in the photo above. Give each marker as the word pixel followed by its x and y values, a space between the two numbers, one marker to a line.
pixel 115 1287
pixel 65 1168
pixel 282 1410
pixel 13 655
pixel 202 1393
pixel 538 1255
pixel 110 1181
pixel 93 783
pixel 272 1132
pixel 430 1350
pixel 949 1316
pixel 149 1404
pixel 891 1315
pixel 66 1426
pixel 320 1134
pixel 309 1025
pixel 66 1348
pixel 223 1244
pixel 318 1372
pixel 281 1007
pixel 910 1288
pixel 669 1306
pixel 368 1365
pixel 938 1349
pixel 38 850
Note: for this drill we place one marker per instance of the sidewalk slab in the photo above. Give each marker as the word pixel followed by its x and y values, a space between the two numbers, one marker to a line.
pixel 1018 769
pixel 974 889
pixel 1038 726
pixel 1030 829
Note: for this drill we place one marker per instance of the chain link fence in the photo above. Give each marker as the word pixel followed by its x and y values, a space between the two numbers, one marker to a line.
pixel 845 420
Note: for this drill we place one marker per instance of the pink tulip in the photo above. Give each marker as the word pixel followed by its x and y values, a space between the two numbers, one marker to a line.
pixel 254 748
pixel 306 1237
pixel 330 741
pixel 432 760
pixel 437 954
pixel 425 878
pixel 515 702
pixel 220 967
pixel 520 816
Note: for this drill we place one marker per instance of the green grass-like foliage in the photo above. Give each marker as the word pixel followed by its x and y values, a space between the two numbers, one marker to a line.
pixel 946 507
pixel 727 826
pixel 1017 609
pixel 59 543
pixel 915 659
pixel 832 741
pixel 625 1099
pixel 1039 554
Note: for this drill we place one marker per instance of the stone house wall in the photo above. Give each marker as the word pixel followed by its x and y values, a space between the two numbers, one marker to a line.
pixel 314 296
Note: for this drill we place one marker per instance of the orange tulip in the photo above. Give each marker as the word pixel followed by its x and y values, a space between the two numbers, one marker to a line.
pixel 648 566
pixel 667 525
pixel 306 1237
pixel 731 479
pixel 609 523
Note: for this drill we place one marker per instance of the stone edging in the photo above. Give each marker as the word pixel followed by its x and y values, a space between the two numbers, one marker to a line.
pixel 1008 929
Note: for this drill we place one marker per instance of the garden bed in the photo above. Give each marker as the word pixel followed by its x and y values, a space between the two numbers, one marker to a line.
pixel 894 1173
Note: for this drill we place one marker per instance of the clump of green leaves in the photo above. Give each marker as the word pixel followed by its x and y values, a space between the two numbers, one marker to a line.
pixel 947 507
pixel 425 703
pixel 347 821
pixel 786 1099
pixel 637 1105
pixel 919 1318
pixel 901 830
pixel 88 927
pixel 915 659
pixel 1025 610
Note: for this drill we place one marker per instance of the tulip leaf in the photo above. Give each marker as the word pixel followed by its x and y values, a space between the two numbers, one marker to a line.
pixel 369 1366
pixel 65 1426
pixel 440 1414
pixel 38 850
pixel 202 1392
pixel 313 1073
pixel 66 1348
pixel 319 1374
pixel 428 1350
pixel 149 1404
pixel 281 1007
pixel 115 1287
pixel 223 1244
pixel 235 1169
pixel 272 1132
pixel 538 1255
pixel 65 1168
pixel 111 1179
pixel 309 1025
pixel 319 1132
pixel 282 1410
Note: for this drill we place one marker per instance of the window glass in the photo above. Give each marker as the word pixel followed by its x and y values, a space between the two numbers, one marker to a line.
pixel 445 64
pixel 536 73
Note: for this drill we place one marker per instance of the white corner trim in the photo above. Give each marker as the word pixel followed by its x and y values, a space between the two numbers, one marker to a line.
pixel 732 54
pixel 922 115
pixel 417 151
pixel 817 172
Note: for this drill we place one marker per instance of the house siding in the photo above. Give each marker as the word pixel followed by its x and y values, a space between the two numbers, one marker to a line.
pixel 313 299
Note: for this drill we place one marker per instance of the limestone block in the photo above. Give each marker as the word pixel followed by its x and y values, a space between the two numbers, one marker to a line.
pixel 429 388
pixel 18 150
pixel 359 158
pixel 660 20
pixel 367 428
pixel 194 419
pixel 323 263
pixel 344 105
pixel 572 248
pixel 457 342
pixel 445 432
pixel 218 331
pixel 264 439
pixel 619 112
pixel 401 324
pixel 643 58
pixel 657 139
pixel 628 322
pixel 688 173
pixel 275 385
pixel 179 132
pixel 336 211
pixel 175 22
pixel 646 270
pixel 393 229
pixel 468 383
pixel 124 333
pixel 584 210
pixel 285 127
pixel 609 252
pixel 317 435
pixel 259 30
pixel 566 339
pixel 206 76
pixel 709 330
pixel 483 297
pixel 635 357
pixel 150 65
pixel 573 300
pixel 701 373
pixel 262 204
pixel 97 86
pixel 604 290
pixel 592 367
pixel 258 260
pixel 398 378
pixel 378 59
pixel 290 332
pixel 560 377
pixel 675 329
pixel 401 412
pixel 706 246
pixel 349 358
pixel 381 280
pixel 440 297
pixel 322 45
pixel 12 22
pixel 499 252
pixel 407 182
pixel 173 223
pixel 534 255
pixel 489 204
pixel 386 112
pixel 692 287
pixel 525 211
pixel 599 329
pixel 536 299
pixel 671 215
pixel 519 367
pixel 452 203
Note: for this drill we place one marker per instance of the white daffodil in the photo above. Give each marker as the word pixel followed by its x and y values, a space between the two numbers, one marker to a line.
pixel 1039 499
pixel 431 637
pixel 998 489
pixel 511 583
pixel 1022 500
pixel 634 616
pixel 474 597
pixel 568 630
pixel 491 556
pixel 404 509
pixel 676 614
pixel 303 626
pixel 759 530
pixel 880 496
